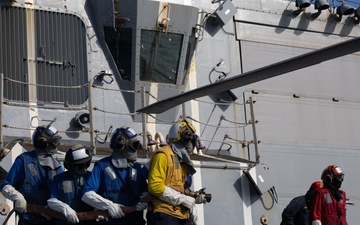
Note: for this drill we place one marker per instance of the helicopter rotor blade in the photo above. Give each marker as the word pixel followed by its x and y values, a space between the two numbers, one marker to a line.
pixel 263 73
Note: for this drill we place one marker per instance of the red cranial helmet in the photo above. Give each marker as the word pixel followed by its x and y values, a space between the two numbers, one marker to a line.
pixel 317 185
pixel 332 174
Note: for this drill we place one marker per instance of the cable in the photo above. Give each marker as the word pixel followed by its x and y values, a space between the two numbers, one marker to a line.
pixel 97 137
pixel 273 194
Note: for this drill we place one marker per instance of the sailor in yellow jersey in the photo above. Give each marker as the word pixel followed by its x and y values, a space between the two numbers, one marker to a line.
pixel 170 169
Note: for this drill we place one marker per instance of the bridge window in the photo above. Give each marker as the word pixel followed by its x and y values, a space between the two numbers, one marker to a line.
pixel 159 56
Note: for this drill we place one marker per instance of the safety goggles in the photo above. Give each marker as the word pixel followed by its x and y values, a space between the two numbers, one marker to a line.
pixel 188 135
pixel 339 177
pixel 134 145
pixel 55 140
pixel 82 166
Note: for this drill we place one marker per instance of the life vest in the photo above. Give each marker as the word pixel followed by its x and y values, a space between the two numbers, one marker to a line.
pixel 123 186
pixel 175 177
pixel 70 191
pixel 37 184
pixel 333 211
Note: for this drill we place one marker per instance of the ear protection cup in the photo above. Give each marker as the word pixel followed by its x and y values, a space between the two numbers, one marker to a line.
pixel 66 165
pixel 328 178
pixel 329 175
pixel 189 132
pixel 117 141
pixel 39 141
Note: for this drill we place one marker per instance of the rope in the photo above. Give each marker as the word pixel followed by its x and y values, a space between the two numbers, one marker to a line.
pixel 219 103
pixel 118 113
pixel 42 106
pixel 242 124
pixel 22 128
pixel 151 95
pixel 45 85
pixel 165 121
pixel 110 89
pixel 237 141
pixel 213 125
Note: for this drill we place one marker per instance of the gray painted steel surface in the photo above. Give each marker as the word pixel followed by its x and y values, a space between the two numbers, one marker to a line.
pixel 304 120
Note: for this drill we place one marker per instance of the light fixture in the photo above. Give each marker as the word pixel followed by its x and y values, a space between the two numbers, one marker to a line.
pixel 82 119
pixel 321 5
pixel 344 9
pixel 301 4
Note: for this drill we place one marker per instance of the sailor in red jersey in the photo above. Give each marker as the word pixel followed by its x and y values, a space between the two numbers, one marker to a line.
pixel 330 202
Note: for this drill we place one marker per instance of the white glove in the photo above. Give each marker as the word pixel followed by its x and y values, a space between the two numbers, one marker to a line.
pixel 63 208
pixel 115 211
pixel 140 206
pixel 20 205
pixel 194 215
pixel 176 198
pixel 95 200
pixel 98 202
pixel 316 222
pixel 12 194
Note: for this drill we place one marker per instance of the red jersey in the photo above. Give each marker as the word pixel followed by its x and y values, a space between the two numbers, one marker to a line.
pixel 327 209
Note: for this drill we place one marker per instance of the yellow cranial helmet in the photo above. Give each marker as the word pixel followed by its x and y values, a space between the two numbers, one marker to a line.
pixel 181 129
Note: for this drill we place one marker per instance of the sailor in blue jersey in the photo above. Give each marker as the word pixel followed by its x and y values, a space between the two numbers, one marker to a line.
pixel 66 190
pixel 30 178
pixel 118 183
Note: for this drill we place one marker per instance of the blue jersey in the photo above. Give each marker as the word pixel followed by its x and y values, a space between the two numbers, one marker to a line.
pixel 33 181
pixel 67 188
pixel 120 185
